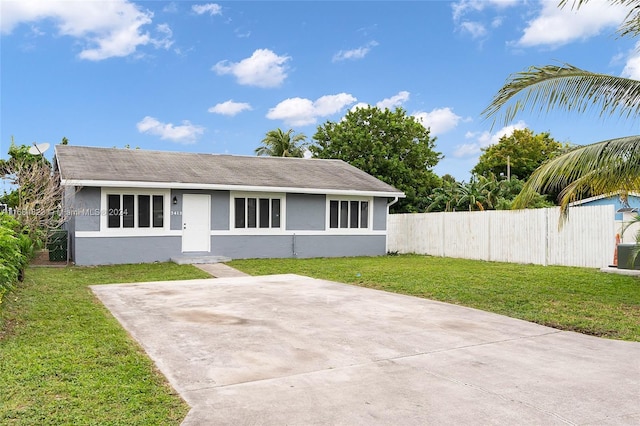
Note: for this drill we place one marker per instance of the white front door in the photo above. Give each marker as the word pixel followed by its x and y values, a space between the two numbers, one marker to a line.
pixel 196 222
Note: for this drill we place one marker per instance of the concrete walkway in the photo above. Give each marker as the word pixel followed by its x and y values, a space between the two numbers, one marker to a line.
pixel 292 350
pixel 220 270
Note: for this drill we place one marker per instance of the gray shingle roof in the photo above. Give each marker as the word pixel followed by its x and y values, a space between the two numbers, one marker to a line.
pixel 84 164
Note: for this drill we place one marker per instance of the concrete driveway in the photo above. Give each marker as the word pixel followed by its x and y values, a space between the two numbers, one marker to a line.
pixel 291 350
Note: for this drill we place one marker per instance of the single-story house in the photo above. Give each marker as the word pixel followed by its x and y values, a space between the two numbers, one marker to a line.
pixel 626 209
pixel 628 204
pixel 131 206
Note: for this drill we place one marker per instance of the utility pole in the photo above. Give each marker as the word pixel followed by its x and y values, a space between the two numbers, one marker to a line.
pixel 508 167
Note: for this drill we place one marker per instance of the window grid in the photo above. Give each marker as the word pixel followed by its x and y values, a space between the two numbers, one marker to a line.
pixel 135 211
pixel 257 212
pixel 348 214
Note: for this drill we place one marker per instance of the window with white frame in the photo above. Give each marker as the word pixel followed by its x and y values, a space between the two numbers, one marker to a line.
pixel 349 214
pixel 260 212
pixel 135 210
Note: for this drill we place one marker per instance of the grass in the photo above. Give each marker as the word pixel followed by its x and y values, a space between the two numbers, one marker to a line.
pixel 65 360
pixel 576 299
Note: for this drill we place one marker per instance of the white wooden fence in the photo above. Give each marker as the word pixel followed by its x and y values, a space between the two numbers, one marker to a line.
pixel 519 236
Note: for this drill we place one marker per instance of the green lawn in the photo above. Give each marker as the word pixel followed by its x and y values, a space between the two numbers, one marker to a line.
pixel 577 299
pixel 65 360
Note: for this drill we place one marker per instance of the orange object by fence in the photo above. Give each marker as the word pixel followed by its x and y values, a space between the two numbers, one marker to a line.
pixel 615 252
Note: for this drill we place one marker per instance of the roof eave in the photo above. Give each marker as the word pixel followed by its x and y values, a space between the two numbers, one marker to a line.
pixel 219 187
pixel 602 196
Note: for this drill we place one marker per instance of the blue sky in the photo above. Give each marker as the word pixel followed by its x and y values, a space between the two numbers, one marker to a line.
pixel 215 77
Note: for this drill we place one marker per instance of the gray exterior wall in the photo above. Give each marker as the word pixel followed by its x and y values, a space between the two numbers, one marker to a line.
pixel 306 212
pixel 82 208
pixel 69 196
pixel 86 209
pixel 298 246
pixel 118 250
pixel 379 214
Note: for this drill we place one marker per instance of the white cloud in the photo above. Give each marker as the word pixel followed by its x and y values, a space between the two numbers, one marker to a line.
pixel 294 111
pixel 394 101
pixel 36 32
pixel 330 104
pixel 390 103
pixel 170 8
pixel 185 133
pixel 632 67
pixel 439 120
pixel 464 7
pixel 167 39
pixel 556 27
pixel 466 150
pixel 358 53
pixel 263 69
pixel 476 17
pixel 475 29
pixel 359 105
pixel 210 8
pixel 242 32
pixel 302 112
pixel 106 28
pixel 230 108
pixel 484 139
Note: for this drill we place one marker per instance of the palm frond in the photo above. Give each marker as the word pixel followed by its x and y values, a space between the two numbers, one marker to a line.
pixel 566 87
pixel 601 168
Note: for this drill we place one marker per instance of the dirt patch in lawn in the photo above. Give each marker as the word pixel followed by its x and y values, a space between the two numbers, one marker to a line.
pixel 41 258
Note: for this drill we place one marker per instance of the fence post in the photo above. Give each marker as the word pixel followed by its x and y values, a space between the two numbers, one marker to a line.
pixel 546 236
pixel 443 250
pixel 488 236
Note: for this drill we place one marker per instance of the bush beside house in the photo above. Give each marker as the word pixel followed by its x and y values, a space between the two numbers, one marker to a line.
pixel 16 249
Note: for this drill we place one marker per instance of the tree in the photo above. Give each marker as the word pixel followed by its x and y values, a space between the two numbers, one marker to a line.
pixel 600 168
pixel 481 193
pixel 388 145
pixel 471 196
pixel 518 154
pixel 492 190
pixel 444 198
pixel 37 194
pixel 19 154
pixel 277 143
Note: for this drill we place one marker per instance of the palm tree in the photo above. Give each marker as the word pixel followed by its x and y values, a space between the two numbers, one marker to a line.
pixel 282 144
pixel 470 195
pixel 444 199
pixel 604 167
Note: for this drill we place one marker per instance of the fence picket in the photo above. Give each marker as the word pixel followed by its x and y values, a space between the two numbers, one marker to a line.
pixel 586 239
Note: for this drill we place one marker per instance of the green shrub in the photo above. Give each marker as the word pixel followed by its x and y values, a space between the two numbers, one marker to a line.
pixel 7 221
pixel 15 249
pixel 27 247
pixel 25 243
